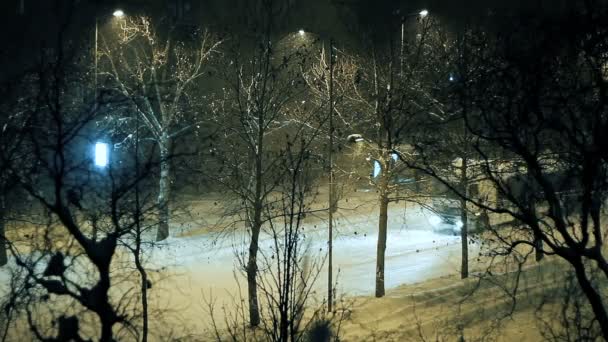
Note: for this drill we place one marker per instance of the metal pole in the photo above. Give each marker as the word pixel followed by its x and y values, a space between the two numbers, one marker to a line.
pixel 331 177
pixel 402 45
pixel 96 57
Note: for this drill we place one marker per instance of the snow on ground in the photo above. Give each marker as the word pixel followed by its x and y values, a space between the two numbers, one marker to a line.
pixel 446 309
pixel 415 252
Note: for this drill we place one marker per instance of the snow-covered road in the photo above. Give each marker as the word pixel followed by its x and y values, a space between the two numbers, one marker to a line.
pixel 200 266
pixel 415 252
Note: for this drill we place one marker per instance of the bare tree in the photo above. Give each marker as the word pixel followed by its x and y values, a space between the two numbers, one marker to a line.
pixel 160 81
pixel 3 255
pixel 257 113
pixel 443 131
pixel 576 320
pixel 11 120
pixel 537 121
pixel 68 286
pixel 289 266
pixel 381 93
pixel 288 283
pixel 15 110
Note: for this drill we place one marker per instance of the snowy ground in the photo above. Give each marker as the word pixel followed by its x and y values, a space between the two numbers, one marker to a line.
pixel 415 252
pixel 419 248
pixel 421 252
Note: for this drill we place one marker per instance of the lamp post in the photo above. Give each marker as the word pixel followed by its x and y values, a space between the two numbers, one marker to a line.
pixel 101 149
pixel 332 207
pixel 118 13
pixel 95 57
pixel 422 14
pixel 331 178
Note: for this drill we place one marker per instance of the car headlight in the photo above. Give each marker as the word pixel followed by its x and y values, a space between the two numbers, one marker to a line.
pixel 434 220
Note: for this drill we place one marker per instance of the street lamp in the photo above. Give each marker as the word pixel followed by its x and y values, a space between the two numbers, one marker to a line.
pixel 330 294
pixel 102 154
pixel 332 207
pixel 422 14
pixel 118 13
pixel 101 150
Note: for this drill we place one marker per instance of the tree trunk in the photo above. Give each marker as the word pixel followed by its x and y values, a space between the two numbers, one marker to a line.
pixel 464 237
pixel 164 189
pixel 138 252
pixel 464 230
pixel 382 231
pixel 145 283
pixel 332 204
pixel 256 225
pixel 252 270
pixel 3 255
pixel 99 295
pixel 538 242
pixel 417 185
pixel 538 247
pixel 595 299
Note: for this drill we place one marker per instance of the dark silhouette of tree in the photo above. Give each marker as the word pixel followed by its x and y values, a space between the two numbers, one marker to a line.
pixel 537 119
pixel 11 121
pixel 258 112
pixel 66 285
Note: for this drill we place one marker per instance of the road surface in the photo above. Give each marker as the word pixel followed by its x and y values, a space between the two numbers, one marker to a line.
pixel 198 267
pixel 415 252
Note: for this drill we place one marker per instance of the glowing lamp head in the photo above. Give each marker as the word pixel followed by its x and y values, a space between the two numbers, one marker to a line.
pixel 102 154
pixel 118 13
pixel 423 13
pixel 301 32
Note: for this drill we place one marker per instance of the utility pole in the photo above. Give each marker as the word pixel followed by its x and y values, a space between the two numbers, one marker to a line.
pixel 117 14
pixel 422 14
pixel 330 294
pixel 402 46
pixel 96 54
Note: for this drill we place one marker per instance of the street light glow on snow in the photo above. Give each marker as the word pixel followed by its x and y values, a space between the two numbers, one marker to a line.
pixel 424 13
pixel 301 32
pixel 101 154
pixel 118 13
